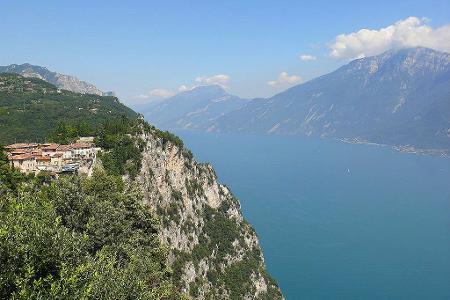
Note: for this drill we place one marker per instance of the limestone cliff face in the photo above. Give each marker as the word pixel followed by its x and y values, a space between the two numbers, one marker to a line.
pixel 214 252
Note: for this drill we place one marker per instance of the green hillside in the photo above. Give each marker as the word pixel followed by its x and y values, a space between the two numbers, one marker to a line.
pixel 31 109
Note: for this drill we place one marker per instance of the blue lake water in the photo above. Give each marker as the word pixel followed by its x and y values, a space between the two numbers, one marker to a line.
pixel 340 221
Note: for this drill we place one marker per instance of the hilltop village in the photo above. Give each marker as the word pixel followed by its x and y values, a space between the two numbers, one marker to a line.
pixel 33 158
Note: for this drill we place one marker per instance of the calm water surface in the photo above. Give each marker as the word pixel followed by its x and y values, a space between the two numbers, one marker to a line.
pixel 340 221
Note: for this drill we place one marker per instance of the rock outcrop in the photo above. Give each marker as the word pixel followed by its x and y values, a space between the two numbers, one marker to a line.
pixel 214 252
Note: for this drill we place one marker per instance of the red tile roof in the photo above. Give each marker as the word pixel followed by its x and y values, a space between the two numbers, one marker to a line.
pixel 51 147
pixel 22 157
pixel 18 151
pixel 43 158
pixel 21 146
pixel 81 145
pixel 64 148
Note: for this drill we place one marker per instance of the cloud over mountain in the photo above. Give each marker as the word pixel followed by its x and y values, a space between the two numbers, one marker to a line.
pixel 219 79
pixel 284 80
pixel 410 32
pixel 156 94
pixel 160 93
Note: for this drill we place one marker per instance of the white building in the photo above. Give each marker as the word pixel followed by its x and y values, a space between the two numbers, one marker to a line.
pixel 83 150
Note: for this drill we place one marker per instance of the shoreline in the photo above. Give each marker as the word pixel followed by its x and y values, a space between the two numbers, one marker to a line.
pixel 399 148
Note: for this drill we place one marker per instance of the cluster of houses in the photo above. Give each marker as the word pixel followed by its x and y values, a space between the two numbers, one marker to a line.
pixel 53 158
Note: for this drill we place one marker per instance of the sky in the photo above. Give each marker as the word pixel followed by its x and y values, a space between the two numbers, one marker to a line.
pixel 147 50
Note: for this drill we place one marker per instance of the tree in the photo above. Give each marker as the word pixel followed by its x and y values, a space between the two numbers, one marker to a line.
pixel 81 238
pixel 10 178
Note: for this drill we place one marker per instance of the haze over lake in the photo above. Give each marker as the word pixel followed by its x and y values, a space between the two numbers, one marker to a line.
pixel 340 221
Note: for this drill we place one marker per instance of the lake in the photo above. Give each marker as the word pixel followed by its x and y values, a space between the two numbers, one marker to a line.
pixel 340 221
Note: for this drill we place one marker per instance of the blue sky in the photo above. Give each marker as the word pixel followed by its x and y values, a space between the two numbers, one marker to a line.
pixel 135 47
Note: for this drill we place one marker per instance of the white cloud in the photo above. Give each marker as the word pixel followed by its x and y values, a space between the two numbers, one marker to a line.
pixel 142 96
pixel 155 94
pixel 284 80
pixel 410 32
pixel 219 79
pixel 158 94
pixel 161 93
pixel 183 88
pixel 307 57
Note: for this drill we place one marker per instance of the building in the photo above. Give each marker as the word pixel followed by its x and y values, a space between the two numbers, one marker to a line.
pixel 43 163
pixel 22 146
pixel 66 151
pixel 26 163
pixel 55 158
pixel 49 149
pixel 83 150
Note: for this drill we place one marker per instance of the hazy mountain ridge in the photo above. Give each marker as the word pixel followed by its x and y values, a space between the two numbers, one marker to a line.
pixel 65 82
pixel 401 97
pixel 193 109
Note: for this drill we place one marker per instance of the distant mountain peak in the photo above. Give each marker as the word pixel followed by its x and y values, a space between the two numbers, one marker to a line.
pixel 66 82
pixel 410 60
pixel 194 108
pixel 212 88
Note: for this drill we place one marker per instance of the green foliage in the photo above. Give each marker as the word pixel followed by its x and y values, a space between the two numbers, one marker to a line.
pixel 9 177
pixel 177 196
pixel 221 230
pixel 31 109
pixel 80 238
pixel 194 287
pixel 188 154
pixel 172 213
pixel 123 150
pixel 194 188
pixel 167 136
pixel 66 133
pixel 178 264
pixel 219 233
pixel 237 276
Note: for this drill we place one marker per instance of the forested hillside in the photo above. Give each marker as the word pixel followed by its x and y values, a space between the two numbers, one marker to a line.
pixel 31 109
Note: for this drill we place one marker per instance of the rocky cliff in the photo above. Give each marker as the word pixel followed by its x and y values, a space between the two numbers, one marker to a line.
pixel 214 252
pixel 64 82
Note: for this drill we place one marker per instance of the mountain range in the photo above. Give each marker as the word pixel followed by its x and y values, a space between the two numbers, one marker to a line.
pixel 65 82
pixel 193 109
pixel 401 97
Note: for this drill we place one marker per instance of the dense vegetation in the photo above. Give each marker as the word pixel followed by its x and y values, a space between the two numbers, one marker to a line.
pixel 66 133
pixel 122 149
pixel 31 109
pixel 78 238
pixel 10 178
